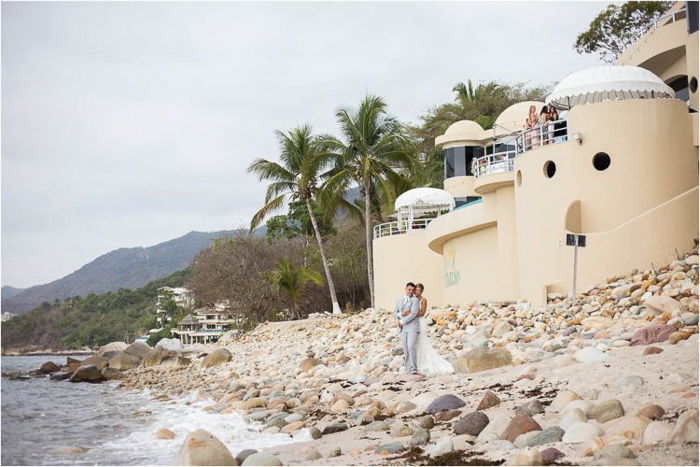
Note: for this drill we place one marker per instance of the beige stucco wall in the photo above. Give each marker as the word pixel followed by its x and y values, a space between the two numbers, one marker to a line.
pixel 402 258
pixel 652 161
pixel 460 186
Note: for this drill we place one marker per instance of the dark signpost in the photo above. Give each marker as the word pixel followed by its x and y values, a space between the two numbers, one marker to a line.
pixel 575 240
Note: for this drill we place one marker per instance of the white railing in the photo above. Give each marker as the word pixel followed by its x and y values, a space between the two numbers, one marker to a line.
pixel 493 163
pixel 542 135
pixel 674 15
pixel 400 227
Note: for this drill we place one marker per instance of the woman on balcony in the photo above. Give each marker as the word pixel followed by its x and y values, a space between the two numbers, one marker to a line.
pixel 531 137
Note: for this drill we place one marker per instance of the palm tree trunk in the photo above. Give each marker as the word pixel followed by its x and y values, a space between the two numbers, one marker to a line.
pixel 368 240
pixel 324 260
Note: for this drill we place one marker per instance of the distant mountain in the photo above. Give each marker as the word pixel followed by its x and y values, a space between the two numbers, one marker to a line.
pixel 9 292
pixel 129 268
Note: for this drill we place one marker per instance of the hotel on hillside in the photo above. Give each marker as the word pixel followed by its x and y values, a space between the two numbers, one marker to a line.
pixel 618 171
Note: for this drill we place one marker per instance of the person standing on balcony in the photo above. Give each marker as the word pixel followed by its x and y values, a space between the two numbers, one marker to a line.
pixel 531 137
pixel 543 125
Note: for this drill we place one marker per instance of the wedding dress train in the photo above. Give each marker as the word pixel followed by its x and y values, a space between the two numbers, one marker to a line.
pixel 429 361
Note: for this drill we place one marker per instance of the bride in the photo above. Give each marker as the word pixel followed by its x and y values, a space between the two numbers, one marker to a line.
pixel 429 361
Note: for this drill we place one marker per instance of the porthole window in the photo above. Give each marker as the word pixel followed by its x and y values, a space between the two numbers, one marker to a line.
pixel 519 178
pixel 550 168
pixel 601 161
pixel 693 84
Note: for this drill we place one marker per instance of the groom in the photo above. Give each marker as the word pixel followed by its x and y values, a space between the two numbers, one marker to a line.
pixel 406 311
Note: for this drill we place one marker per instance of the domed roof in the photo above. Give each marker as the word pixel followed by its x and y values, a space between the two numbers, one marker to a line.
pixel 513 118
pixel 424 197
pixel 607 83
pixel 463 126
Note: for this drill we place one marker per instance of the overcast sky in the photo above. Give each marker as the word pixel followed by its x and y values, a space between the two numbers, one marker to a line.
pixel 128 124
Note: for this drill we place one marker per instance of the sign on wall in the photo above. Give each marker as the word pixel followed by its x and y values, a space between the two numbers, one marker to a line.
pixel 452 275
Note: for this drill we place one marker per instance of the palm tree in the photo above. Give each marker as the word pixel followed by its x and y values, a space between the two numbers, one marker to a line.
pixel 371 153
pixel 295 178
pixel 291 280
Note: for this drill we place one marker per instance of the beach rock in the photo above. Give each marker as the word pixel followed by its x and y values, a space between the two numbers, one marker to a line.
pixel 651 350
pixel 471 424
pixel 60 375
pixel 154 357
pixel 68 450
pixel 399 431
pixel 686 429
pixel 662 304
pixel 49 367
pixel 312 455
pixel 244 454
pixel 657 433
pixel 551 434
pixel 652 334
pixel 613 452
pixel 391 448
pixel 562 399
pixel 630 380
pixel 651 411
pixel 110 373
pixel 521 423
pixel 335 452
pixel 164 433
pixel 315 432
pixel 113 346
pixel 581 432
pixel 445 402
pixel 335 428
pixel 527 456
pixel 309 363
pixel 169 345
pixel 203 448
pixel 124 361
pixel 606 410
pixel 590 355
pixel 689 319
pixel 531 408
pixel 489 400
pixel 72 364
pixel 630 426
pixel 261 458
pixel 86 373
pixel 98 360
pixel 571 417
pixel 217 357
pixel 426 422
pixel 442 447
pixel 482 358
pixel 550 455
pixel 377 426
pixel 447 415
pixel 496 428
pixel 139 349
pixel 523 440
pixel 501 328
pixel 420 437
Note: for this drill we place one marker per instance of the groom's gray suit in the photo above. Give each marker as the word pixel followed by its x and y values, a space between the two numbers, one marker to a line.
pixel 410 327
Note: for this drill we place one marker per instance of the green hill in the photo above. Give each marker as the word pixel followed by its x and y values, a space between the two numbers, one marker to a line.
pixel 75 322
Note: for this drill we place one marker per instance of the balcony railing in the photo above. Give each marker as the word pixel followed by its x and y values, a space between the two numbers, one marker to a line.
pixel 493 163
pixel 400 227
pixel 543 135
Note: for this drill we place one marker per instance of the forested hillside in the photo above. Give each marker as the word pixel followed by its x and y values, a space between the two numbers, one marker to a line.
pixel 95 319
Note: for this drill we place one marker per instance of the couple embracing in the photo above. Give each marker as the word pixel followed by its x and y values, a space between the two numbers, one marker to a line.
pixel 419 355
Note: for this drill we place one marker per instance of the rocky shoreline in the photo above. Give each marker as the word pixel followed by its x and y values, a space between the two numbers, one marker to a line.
pixel 610 378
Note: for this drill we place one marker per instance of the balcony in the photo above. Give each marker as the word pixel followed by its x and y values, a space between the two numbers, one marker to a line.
pixel 493 163
pixel 401 227
pixel 542 135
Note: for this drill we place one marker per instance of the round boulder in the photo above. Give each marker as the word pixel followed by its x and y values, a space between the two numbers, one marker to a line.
pixel 260 458
pixel 86 373
pixel 139 349
pixel 217 357
pixel 445 402
pixel 124 361
pixel 471 424
pixel 203 448
pixel 49 367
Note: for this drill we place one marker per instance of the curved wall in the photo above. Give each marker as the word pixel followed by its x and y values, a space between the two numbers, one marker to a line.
pixel 402 258
pixel 652 161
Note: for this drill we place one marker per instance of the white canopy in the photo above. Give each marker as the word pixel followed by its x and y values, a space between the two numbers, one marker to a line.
pixel 424 198
pixel 607 83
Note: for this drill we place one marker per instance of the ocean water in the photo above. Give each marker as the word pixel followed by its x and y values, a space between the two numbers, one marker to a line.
pixel 42 418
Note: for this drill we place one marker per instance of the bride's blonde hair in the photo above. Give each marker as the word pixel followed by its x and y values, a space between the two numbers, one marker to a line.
pixel 422 288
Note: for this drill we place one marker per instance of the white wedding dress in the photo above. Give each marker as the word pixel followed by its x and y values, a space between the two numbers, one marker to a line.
pixel 429 361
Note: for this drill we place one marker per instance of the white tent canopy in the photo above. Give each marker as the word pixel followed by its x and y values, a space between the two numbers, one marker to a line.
pixel 607 83
pixel 426 198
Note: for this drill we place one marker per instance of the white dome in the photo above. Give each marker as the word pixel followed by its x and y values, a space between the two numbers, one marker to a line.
pixel 424 197
pixel 607 83
pixel 464 126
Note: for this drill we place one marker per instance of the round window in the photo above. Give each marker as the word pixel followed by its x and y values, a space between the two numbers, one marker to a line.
pixel 550 168
pixel 519 178
pixel 693 85
pixel 601 161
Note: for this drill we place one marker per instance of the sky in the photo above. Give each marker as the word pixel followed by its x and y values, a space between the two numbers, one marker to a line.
pixel 129 124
